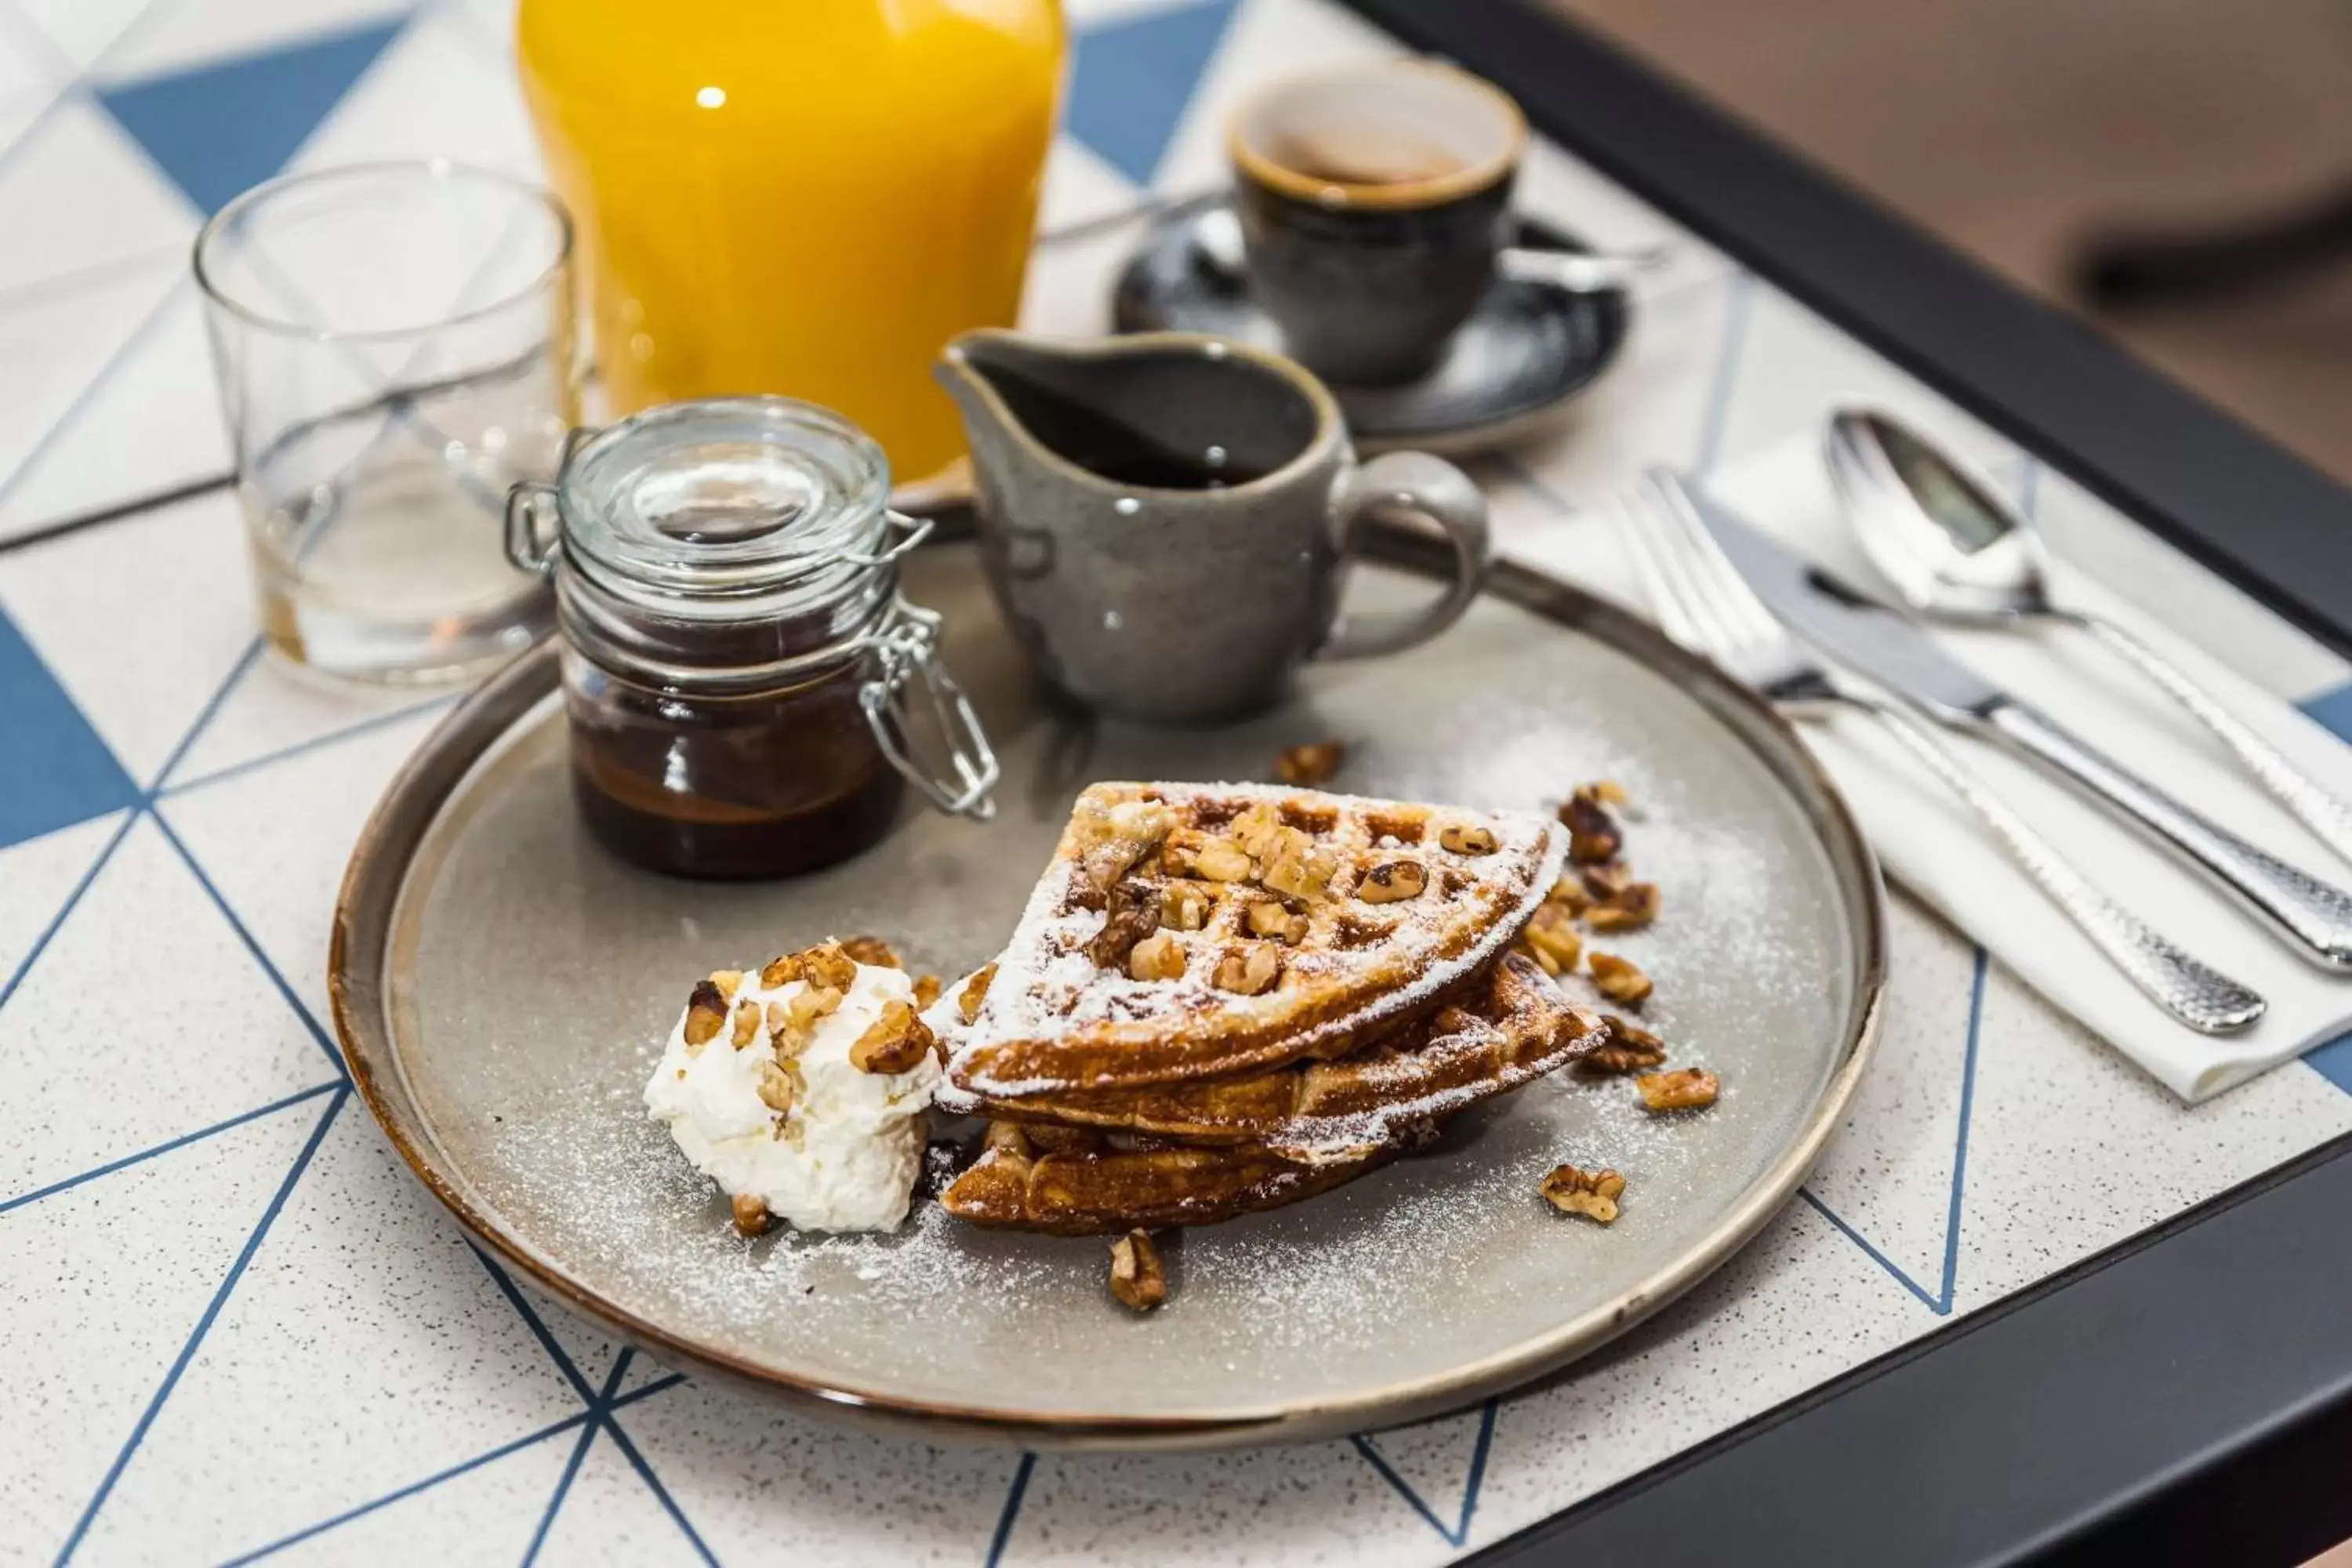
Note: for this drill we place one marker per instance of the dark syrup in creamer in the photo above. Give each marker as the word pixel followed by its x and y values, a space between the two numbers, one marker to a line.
pixel 1113 449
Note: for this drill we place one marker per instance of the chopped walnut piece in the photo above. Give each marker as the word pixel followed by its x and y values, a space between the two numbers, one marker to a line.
pixel 896 1042
pixel 873 951
pixel 827 964
pixel 1177 853
pixel 781 971
pixel 1287 858
pixel 811 1002
pixel 802 1011
pixel 1592 1194
pixel 1391 880
pixel 1301 870
pixel 1467 838
pixel 1620 979
pixel 1223 860
pixel 1156 957
pixel 1137 1279
pixel 1111 840
pixel 1553 940
pixel 927 991
pixel 974 992
pixel 1691 1088
pixel 746 1026
pixel 706 1010
pixel 1593 833
pixel 1185 906
pixel 1132 914
pixel 728 982
pixel 1249 971
pixel 775 1087
pixel 1570 895
pixel 1256 830
pixel 1606 881
pixel 1625 1047
pixel 1271 919
pixel 1310 764
pixel 751 1214
pixel 1636 907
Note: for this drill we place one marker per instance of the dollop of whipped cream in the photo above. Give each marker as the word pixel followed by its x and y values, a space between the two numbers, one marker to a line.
pixel 845 1154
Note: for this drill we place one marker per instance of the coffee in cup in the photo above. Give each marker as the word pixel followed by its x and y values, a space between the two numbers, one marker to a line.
pixel 1373 200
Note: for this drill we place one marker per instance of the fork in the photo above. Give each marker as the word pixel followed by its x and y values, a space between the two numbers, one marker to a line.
pixel 1703 604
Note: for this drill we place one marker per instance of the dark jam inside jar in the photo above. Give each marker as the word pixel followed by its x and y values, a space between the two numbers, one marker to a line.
pixel 767 784
pixel 727 590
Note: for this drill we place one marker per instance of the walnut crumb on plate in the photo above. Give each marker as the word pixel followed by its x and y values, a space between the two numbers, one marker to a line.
pixel 1592 1194
pixel 1626 1047
pixel 1137 1279
pixel 1619 979
pixel 1311 763
pixel 1692 1088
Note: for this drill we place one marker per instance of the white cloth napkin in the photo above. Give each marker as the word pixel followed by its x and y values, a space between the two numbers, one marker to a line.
pixel 1936 847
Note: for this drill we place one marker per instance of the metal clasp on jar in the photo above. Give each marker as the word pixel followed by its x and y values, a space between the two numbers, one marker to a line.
pixel 907 648
pixel 904 645
pixel 532 534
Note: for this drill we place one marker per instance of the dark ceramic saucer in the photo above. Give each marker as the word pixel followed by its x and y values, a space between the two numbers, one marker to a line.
pixel 1527 350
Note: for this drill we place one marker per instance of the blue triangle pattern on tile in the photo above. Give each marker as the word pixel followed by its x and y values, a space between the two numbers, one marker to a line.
pixel 54 771
pixel 2333 711
pixel 2333 1061
pixel 222 127
pixel 1937 1301
pixel 1131 82
pixel 80 770
pixel 1457 1531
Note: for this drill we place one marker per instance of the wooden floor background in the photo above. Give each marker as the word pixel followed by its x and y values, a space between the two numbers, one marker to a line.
pixel 2016 128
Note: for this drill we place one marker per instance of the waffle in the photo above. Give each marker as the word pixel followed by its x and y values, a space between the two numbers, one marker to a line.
pixel 1192 931
pixel 1514 1028
pixel 1341 1121
pixel 1085 1184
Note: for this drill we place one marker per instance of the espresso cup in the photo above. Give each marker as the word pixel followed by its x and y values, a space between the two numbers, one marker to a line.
pixel 1167 519
pixel 1373 201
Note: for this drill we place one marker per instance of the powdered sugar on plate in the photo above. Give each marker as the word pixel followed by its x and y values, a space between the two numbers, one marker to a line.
pixel 1440 1261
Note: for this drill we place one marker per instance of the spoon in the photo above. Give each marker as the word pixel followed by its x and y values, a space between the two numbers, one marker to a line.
pixel 1955 551
pixel 1217 242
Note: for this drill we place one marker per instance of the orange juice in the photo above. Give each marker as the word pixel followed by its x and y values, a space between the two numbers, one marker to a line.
pixel 797 196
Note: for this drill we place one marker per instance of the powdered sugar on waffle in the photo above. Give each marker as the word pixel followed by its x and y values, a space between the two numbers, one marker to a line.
pixel 1315 1139
pixel 1046 983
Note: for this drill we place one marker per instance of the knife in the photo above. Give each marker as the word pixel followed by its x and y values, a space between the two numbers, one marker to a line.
pixel 2313 917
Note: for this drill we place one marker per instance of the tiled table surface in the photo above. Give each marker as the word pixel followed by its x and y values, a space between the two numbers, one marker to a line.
pixel 231 1325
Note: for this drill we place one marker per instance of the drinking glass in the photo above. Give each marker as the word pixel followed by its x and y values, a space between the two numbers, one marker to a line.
pixel 395 348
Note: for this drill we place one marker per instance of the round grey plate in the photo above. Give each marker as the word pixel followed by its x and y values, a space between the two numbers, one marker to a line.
pixel 500 986
pixel 1511 368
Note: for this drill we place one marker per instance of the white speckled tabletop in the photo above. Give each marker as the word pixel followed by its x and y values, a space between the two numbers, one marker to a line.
pixel 232 1326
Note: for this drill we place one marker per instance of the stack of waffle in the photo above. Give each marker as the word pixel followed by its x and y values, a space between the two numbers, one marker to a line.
pixel 1227 997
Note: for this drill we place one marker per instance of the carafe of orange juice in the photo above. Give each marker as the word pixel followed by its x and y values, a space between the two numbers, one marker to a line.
pixel 806 197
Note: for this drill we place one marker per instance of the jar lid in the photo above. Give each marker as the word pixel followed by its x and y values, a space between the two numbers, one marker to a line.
pixel 727 506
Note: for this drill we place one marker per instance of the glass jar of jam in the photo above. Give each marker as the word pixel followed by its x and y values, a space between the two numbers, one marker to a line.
pixel 739 666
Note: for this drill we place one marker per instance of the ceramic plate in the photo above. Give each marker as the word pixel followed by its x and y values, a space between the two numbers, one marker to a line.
pixel 501 985
pixel 1512 367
